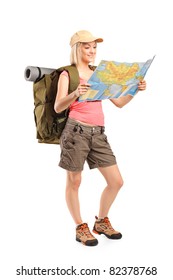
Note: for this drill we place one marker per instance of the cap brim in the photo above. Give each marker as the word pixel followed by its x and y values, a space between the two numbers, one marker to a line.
pixel 98 40
pixel 86 40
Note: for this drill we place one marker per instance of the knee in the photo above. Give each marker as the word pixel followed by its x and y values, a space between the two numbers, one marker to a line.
pixel 117 184
pixel 73 181
pixel 120 183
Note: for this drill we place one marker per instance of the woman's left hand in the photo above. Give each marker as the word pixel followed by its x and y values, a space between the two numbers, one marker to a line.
pixel 142 85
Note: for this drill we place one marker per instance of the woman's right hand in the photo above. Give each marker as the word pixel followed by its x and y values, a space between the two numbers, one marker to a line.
pixel 81 89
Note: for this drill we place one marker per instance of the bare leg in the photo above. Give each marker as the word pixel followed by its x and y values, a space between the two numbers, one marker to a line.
pixel 114 182
pixel 72 199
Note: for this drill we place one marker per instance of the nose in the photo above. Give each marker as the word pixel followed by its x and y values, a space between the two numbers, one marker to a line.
pixel 92 50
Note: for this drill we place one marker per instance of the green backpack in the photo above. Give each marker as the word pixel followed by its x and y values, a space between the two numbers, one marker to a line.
pixel 49 124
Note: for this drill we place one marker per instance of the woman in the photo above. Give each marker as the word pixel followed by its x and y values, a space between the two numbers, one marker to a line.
pixel 83 139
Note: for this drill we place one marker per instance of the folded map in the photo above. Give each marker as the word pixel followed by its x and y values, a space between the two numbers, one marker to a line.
pixel 113 79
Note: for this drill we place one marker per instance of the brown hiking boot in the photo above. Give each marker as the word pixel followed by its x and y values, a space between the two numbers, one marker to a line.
pixel 103 226
pixel 84 235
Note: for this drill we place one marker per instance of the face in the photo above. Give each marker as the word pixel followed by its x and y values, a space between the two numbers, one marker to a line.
pixel 88 51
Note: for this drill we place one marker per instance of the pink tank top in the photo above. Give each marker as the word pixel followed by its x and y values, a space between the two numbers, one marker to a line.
pixel 90 112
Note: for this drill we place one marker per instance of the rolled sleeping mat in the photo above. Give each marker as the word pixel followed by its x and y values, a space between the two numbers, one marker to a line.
pixel 33 73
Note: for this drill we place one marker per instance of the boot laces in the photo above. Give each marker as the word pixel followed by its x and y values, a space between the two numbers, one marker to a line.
pixel 108 224
pixel 84 227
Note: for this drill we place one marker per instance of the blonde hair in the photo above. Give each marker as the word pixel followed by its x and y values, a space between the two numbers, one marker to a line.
pixel 75 55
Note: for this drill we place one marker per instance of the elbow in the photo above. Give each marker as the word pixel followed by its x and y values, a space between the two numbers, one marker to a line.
pixel 119 105
pixel 57 108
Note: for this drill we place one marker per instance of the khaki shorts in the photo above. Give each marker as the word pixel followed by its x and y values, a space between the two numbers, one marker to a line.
pixel 80 143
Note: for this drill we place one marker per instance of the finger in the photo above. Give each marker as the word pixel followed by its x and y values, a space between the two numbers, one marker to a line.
pixel 141 88
pixel 85 85
pixel 84 89
pixel 142 82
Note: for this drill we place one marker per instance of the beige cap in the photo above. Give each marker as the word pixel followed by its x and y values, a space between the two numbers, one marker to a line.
pixel 84 36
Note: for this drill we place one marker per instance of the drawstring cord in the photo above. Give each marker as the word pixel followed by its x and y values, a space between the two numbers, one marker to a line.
pixel 75 129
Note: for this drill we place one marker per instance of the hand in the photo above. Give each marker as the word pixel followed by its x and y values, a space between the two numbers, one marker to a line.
pixel 81 89
pixel 142 85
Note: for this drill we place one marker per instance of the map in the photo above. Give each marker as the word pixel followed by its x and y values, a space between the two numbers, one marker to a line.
pixel 113 79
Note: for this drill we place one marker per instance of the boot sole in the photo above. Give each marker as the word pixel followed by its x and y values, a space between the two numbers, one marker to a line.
pixel 88 242
pixel 115 236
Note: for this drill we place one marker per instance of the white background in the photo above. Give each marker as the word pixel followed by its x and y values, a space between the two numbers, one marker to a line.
pixel 36 227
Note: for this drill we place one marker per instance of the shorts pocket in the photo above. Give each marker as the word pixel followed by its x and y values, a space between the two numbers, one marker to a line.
pixel 104 137
pixel 67 140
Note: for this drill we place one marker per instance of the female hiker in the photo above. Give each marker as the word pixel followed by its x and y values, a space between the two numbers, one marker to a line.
pixel 83 139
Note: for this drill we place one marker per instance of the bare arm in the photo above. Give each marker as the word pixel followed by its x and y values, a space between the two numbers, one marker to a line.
pixel 63 100
pixel 123 100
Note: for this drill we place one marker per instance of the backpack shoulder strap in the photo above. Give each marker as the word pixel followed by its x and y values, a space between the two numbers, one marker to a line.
pixel 73 73
pixel 73 76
